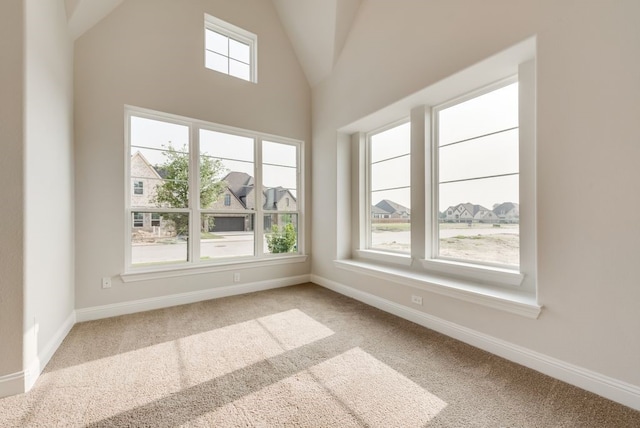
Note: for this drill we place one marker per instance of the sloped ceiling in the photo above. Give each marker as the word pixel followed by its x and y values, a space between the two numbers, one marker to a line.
pixel 84 14
pixel 318 29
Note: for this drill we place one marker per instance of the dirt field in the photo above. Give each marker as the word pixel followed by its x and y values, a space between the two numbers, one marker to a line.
pixel 478 242
pixel 500 248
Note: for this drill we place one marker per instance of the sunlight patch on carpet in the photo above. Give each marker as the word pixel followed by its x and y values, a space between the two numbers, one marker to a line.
pixel 351 389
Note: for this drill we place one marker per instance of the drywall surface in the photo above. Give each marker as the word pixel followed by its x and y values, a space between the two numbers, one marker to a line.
pixel 49 241
pixel 11 223
pixel 150 54
pixel 588 104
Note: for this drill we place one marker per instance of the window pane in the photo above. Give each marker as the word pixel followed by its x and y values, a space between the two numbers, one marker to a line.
pixel 478 220
pixel 279 154
pixel 391 143
pixel 160 161
pixel 390 228
pixel 389 184
pixel 217 42
pixel 159 135
pixel 494 111
pixel 159 238
pixel 226 235
pixel 279 176
pixel 239 51
pixel 226 170
pixel 491 155
pixel 217 62
pixel 391 173
pixel 281 233
pixel 239 69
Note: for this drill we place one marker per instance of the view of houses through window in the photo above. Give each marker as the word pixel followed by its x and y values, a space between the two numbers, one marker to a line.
pixel 475 195
pixel 228 201
pixel 477 152
pixel 390 189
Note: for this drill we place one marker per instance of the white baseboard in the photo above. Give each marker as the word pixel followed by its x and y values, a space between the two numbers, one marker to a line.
pixel 12 384
pixel 20 382
pixel 44 355
pixel 605 386
pixel 124 308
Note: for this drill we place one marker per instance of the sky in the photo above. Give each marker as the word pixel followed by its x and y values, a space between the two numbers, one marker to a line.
pixel 497 154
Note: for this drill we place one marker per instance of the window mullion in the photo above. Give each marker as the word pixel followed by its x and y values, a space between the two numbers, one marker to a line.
pixel 194 195
pixel 420 214
pixel 259 220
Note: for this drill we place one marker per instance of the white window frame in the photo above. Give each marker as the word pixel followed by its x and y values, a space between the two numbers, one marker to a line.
pixel 194 265
pixel 238 34
pixel 500 287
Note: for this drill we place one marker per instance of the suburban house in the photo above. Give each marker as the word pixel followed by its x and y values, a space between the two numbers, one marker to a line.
pixel 389 209
pixel 307 83
pixel 238 195
pixel 508 212
pixel 467 213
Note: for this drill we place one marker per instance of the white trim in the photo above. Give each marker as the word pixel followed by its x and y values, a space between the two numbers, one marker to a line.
pixel 134 306
pixel 32 373
pixel 381 256
pixel 494 275
pixel 605 386
pixel 508 300
pixel 191 269
pixel 12 384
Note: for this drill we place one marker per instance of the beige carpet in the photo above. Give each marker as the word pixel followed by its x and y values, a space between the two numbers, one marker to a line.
pixel 299 356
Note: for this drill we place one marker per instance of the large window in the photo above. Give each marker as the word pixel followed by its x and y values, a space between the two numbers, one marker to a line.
pixel 452 190
pixel 230 50
pixel 212 193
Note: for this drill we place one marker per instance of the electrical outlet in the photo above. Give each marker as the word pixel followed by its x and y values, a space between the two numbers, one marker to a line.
pixel 236 277
pixel 106 282
pixel 416 299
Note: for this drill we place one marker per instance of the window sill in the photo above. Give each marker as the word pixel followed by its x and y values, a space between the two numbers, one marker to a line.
pixel 485 274
pixel 394 258
pixel 170 272
pixel 514 301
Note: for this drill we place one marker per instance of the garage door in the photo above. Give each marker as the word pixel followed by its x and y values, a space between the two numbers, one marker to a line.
pixel 228 224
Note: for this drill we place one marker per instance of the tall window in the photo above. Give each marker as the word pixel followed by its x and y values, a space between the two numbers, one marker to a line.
pixel 476 149
pixel 280 177
pixel 230 49
pixel 389 222
pixel 202 180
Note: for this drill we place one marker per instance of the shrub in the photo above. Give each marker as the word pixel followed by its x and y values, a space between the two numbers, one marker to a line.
pixel 281 241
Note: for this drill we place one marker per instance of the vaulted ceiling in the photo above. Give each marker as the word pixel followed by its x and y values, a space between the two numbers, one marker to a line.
pixel 318 29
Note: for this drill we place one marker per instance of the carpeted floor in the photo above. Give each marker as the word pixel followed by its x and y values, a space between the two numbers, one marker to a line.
pixel 300 356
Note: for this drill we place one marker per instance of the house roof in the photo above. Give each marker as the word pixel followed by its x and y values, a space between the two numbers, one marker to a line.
pixel 505 207
pixel 239 183
pixel 391 207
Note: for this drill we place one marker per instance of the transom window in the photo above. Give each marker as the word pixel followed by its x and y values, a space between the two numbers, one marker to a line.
pixel 236 191
pixel 230 50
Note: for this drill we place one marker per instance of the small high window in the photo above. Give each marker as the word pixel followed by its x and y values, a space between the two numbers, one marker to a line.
pixel 230 50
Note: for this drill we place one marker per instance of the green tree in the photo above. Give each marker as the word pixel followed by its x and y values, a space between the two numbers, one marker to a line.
pixel 282 241
pixel 174 190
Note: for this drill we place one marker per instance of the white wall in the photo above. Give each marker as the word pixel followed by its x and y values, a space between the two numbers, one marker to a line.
pixel 588 109
pixel 149 53
pixel 11 221
pixel 48 253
